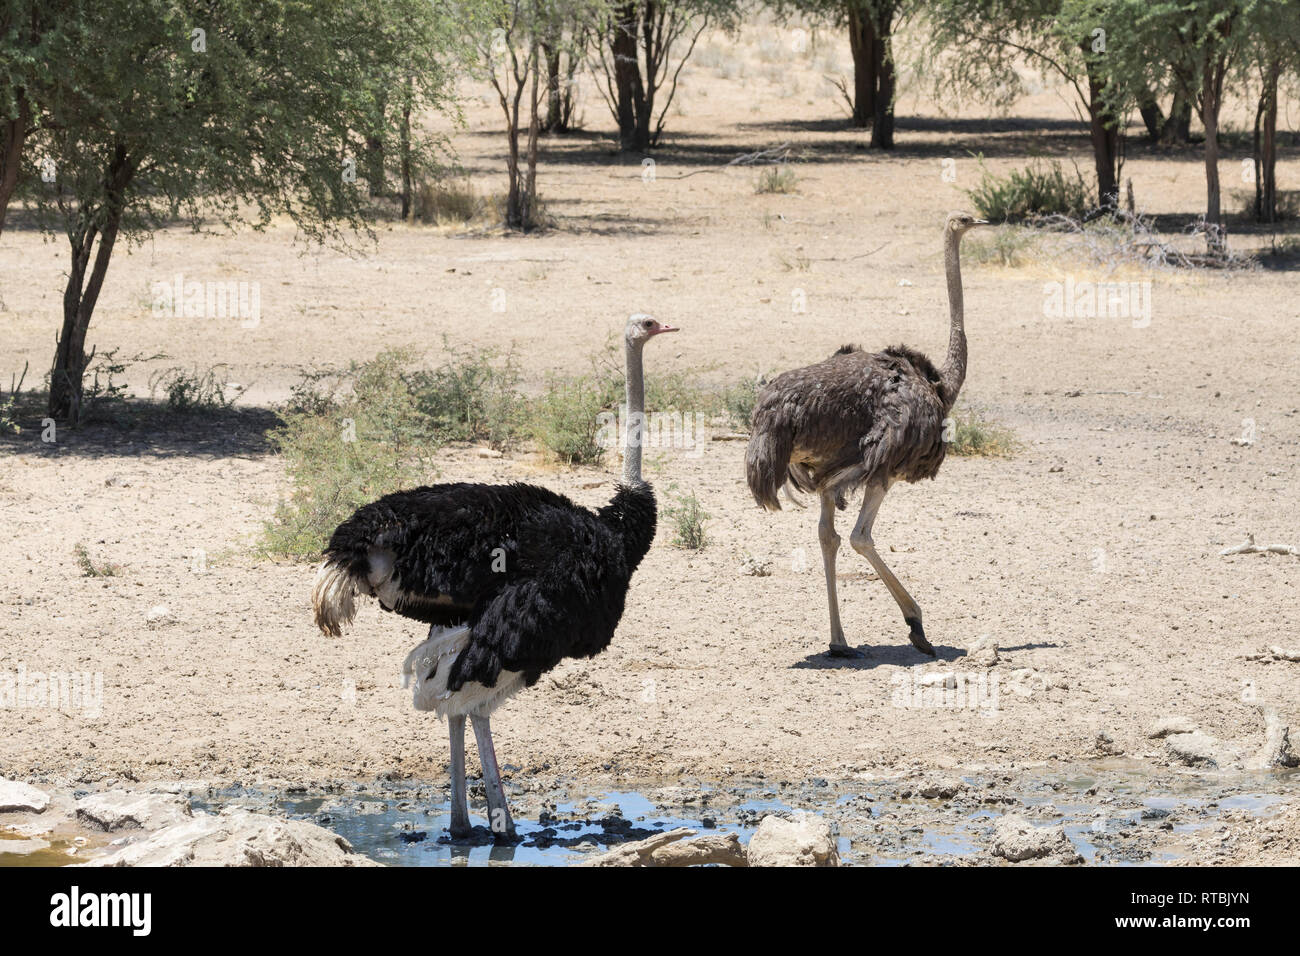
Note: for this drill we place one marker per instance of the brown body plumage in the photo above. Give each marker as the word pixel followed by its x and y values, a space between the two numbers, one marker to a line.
pixel 856 418
pixel 861 420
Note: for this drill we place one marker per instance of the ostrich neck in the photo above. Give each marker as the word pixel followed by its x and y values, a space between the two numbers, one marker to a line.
pixel 635 416
pixel 953 372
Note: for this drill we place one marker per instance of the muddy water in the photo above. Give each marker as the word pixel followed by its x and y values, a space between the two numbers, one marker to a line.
pixel 1112 816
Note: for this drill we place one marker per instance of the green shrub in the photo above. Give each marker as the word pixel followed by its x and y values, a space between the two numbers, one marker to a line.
pixel 688 520
pixel 1040 189
pixel 474 397
pixel 343 452
pixel 447 202
pixel 738 401
pixel 565 420
pixel 971 434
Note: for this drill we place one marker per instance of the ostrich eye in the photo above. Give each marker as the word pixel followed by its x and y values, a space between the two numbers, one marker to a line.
pixel 647 324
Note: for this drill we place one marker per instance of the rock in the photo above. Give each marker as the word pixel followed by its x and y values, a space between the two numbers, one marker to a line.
pixel 123 810
pixel 1277 751
pixel 805 840
pixel 942 789
pixel 487 452
pixel 1105 744
pixel 671 848
pixel 237 837
pixel 1201 750
pixel 983 651
pixel 16 796
pixel 23 847
pixel 1017 840
pixel 158 614
pixel 1172 725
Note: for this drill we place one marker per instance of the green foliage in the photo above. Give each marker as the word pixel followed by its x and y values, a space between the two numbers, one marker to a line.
pixel 1040 189
pixel 343 452
pixel 971 434
pixel 688 520
pixel 91 568
pixel 474 396
pixel 738 401
pixel 566 418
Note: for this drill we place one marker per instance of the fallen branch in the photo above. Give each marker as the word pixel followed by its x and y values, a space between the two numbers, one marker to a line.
pixel 1250 547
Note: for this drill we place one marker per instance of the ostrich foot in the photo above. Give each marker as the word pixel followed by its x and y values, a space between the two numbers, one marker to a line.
pixel 843 650
pixel 917 636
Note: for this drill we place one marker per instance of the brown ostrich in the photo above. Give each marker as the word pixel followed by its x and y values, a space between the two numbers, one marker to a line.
pixel 861 419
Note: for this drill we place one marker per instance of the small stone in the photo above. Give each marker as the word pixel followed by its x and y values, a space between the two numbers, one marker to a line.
pixel 1105 744
pixel 984 651
pixel 487 452
pixel 158 614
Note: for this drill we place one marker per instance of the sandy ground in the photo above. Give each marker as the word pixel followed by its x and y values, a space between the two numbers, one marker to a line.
pixel 1091 557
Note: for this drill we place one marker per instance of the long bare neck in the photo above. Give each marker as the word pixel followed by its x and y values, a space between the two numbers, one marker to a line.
pixel 635 415
pixel 953 373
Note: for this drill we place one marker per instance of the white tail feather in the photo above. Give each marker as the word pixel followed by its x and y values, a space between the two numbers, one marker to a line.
pixel 332 598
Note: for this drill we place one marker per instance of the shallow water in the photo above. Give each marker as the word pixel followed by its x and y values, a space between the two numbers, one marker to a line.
pixel 1112 818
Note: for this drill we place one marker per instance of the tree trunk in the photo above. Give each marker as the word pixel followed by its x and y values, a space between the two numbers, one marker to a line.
pixel 1152 118
pixel 81 293
pixel 375 152
pixel 628 88
pixel 1177 127
pixel 1211 101
pixel 556 121
pixel 1266 146
pixel 1103 131
pixel 405 143
pixel 13 136
pixel 882 123
pixel 862 44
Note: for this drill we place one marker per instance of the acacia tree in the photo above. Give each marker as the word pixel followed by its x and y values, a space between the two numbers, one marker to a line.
pixel 644 45
pixel 228 113
pixel 976 44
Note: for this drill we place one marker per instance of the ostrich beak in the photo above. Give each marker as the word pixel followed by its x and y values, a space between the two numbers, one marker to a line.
pixel 665 328
pixel 980 222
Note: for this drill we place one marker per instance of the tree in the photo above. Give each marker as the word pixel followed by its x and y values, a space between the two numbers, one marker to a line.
pixel 1272 53
pixel 226 114
pixel 28 29
pixel 641 42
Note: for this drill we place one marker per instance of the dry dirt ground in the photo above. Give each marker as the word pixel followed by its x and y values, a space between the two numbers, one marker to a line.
pixel 1091 557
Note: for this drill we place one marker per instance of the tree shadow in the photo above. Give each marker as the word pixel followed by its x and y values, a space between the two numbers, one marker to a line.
pixel 137 427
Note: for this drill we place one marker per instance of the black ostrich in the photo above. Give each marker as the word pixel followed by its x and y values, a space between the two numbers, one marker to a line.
pixel 511 579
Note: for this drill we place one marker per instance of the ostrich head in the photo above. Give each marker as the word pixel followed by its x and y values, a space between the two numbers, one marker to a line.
pixel 641 328
pixel 958 222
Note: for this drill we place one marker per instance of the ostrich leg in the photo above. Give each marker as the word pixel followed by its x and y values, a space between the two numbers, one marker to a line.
pixel 830 542
pixel 459 808
pixel 865 546
pixel 503 828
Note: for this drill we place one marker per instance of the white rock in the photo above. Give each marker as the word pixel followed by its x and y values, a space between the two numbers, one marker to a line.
pixel 1017 840
pixel 121 810
pixel 1201 750
pixel 983 651
pixel 237 837
pixel 158 614
pixel 16 796
pixel 1172 725
pixel 804 841
pixel 487 452
pixel 23 847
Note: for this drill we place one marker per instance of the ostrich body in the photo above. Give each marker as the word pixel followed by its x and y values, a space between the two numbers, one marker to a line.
pixel 511 579
pixel 861 419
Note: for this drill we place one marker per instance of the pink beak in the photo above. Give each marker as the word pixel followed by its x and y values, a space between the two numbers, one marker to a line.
pixel 665 328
